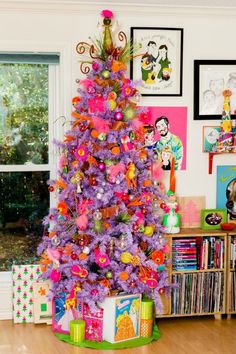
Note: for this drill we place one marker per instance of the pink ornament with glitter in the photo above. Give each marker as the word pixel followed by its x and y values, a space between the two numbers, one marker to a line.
pixel 101 125
pixel 55 275
pixel 96 105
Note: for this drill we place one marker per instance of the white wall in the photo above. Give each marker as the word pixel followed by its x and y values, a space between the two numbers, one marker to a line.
pixel 208 34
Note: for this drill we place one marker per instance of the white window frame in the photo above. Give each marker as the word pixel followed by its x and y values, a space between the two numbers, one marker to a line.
pixel 60 106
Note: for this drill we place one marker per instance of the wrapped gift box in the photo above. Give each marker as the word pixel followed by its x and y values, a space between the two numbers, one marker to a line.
pixel 42 306
pixel 121 317
pixel 93 323
pixel 146 328
pixel 63 311
pixel 23 277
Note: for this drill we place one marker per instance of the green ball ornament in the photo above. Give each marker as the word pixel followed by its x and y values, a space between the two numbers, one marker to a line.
pixel 109 274
pixel 129 113
pixel 141 228
pixel 106 74
pixel 102 137
pixel 97 225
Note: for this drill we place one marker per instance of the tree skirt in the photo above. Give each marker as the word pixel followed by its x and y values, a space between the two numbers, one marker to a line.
pixel 138 342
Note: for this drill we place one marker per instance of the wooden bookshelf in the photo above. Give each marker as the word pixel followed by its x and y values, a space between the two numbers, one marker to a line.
pixel 197 292
pixel 231 282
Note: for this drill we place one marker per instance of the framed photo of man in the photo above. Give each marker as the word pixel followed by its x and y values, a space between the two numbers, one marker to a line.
pixel 165 133
pixel 158 61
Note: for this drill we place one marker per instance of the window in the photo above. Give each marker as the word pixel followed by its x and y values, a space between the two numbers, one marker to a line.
pixel 28 92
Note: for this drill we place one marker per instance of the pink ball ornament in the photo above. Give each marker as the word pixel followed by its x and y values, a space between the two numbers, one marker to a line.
pixel 101 166
pixel 118 116
pixel 55 275
pixel 95 65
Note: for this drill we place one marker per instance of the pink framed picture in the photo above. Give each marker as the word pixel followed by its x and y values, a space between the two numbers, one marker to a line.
pixel 165 132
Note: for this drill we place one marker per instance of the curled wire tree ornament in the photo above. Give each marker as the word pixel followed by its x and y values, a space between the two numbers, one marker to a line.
pixel 122 37
pixel 81 48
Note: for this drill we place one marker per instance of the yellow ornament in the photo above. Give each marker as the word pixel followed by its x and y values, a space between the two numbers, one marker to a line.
pixel 149 230
pixel 126 257
pixel 112 105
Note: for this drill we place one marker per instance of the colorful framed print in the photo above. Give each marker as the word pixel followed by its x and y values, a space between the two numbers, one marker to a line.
pixel 211 77
pixel 210 138
pixel 212 218
pixel 213 140
pixel 158 61
pixel 166 134
pixel 226 190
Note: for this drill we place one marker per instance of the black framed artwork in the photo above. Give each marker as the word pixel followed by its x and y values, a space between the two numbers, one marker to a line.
pixel 157 60
pixel 211 78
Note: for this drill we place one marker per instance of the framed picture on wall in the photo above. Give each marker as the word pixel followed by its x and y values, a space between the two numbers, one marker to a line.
pixel 158 61
pixel 211 78
pixel 212 218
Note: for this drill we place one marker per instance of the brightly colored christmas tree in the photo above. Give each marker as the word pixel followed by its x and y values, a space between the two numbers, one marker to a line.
pixel 104 235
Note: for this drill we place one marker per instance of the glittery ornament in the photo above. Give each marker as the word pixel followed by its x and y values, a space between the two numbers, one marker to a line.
pixel 122 243
pixel 55 241
pixel 86 250
pixel 97 215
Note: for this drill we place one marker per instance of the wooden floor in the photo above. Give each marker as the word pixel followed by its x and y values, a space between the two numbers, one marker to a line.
pixel 196 335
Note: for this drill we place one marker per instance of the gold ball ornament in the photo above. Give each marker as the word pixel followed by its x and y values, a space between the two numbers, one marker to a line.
pixel 112 104
pixel 126 257
pixel 149 230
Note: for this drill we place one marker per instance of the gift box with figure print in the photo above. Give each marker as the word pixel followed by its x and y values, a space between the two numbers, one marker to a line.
pixel 64 310
pixel 121 317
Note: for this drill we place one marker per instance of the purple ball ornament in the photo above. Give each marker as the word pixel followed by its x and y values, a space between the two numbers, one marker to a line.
pixel 118 116
pixel 102 166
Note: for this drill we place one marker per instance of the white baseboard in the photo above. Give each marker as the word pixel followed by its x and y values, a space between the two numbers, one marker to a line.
pixel 6 296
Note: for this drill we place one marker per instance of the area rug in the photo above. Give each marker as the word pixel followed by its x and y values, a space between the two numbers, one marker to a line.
pixel 138 342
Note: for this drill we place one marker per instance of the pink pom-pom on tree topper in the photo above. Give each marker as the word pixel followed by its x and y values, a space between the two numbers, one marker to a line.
pixel 107 13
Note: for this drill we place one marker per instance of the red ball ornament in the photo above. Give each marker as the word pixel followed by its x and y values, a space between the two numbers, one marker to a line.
pixel 73 256
pixel 51 188
pixel 83 127
pixel 125 197
pixel 101 166
pixel 118 116
pixel 144 210
pixel 161 291
pixel 81 243
pixel 163 205
pixel 135 227
pixel 132 284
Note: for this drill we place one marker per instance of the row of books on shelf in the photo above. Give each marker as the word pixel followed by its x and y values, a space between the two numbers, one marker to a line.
pixel 233 253
pixel 232 305
pixel 197 293
pixel 198 253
